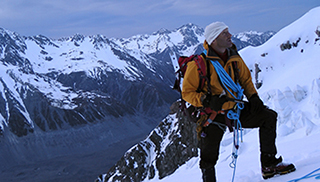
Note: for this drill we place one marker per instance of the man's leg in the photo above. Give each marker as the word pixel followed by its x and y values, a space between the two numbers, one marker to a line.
pixel 209 149
pixel 266 120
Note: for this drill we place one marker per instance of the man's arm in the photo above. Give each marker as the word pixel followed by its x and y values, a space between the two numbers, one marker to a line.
pixel 190 85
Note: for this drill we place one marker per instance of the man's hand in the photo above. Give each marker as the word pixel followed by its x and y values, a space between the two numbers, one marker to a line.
pixel 255 103
pixel 215 102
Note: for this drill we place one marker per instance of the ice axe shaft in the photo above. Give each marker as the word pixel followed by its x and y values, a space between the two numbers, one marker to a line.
pixel 232 99
pixel 236 100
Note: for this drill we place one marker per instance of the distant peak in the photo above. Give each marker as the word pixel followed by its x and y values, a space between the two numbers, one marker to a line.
pixel 162 31
pixel 77 37
pixel 189 25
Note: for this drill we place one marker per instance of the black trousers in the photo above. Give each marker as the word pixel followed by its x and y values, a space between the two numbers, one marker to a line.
pixel 265 120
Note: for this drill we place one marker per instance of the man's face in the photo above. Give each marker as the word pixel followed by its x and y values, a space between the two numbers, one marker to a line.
pixel 224 39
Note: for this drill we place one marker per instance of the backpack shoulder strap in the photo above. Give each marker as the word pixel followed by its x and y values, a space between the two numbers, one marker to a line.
pixel 204 72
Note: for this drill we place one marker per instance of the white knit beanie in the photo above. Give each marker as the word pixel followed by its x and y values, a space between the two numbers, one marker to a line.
pixel 212 31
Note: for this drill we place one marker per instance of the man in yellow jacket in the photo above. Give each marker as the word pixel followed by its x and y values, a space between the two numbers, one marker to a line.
pixel 219 47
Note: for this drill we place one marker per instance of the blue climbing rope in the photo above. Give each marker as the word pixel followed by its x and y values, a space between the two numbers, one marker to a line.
pixel 310 175
pixel 236 138
pixel 227 83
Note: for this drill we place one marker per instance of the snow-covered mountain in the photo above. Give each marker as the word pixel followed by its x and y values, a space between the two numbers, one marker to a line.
pixel 83 94
pixel 76 95
pixel 186 40
pixel 251 38
pixel 286 71
pixel 53 68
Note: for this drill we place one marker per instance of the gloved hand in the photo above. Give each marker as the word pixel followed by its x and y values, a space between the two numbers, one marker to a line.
pixel 255 103
pixel 215 102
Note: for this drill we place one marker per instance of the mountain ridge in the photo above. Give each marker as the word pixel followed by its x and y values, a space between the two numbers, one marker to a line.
pixel 90 86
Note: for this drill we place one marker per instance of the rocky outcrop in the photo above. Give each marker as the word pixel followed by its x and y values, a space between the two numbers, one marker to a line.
pixel 168 146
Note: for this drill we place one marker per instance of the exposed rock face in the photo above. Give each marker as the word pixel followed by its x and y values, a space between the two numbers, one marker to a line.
pixel 168 146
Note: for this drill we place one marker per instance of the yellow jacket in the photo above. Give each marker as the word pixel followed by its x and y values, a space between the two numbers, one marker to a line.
pixel 191 78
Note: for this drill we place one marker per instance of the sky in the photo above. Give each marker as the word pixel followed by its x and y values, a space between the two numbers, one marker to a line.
pixel 126 18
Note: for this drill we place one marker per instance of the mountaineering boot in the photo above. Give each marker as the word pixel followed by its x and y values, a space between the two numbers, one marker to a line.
pixel 272 166
pixel 208 175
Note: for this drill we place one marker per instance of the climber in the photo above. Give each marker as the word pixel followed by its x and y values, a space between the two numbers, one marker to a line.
pixel 254 114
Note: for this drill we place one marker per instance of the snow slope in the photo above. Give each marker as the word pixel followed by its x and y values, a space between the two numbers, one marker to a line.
pixel 289 64
pixel 302 151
